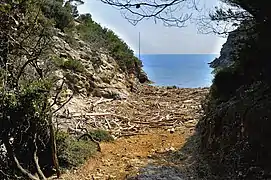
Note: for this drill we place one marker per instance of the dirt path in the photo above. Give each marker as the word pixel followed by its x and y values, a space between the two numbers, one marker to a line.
pixel 162 119
pixel 126 156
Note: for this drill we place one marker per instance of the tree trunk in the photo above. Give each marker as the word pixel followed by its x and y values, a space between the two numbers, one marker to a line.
pixel 53 146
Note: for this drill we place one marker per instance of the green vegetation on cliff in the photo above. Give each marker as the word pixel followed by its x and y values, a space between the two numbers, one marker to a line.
pixel 31 93
pixel 103 38
pixel 235 131
pixel 67 19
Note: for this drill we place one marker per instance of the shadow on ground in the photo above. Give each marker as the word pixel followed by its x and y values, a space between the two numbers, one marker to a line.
pixel 182 164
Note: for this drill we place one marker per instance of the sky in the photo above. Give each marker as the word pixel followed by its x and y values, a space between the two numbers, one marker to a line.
pixel 155 38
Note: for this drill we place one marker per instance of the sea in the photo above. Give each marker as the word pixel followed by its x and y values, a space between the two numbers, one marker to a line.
pixel 181 70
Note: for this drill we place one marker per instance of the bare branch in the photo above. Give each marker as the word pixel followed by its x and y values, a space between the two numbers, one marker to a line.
pixel 2 172
pixel 222 20
pixel 58 91
pixel 92 139
pixel 63 104
pixel 167 11
pixel 11 152
pixel 25 172
pixel 36 159
pixel 24 66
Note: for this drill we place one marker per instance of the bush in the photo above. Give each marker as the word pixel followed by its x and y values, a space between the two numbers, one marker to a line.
pixel 100 37
pixel 70 64
pixel 101 135
pixel 225 84
pixel 62 15
pixel 72 152
pixel 24 117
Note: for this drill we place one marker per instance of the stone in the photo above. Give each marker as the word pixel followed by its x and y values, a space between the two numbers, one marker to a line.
pixel 170 149
pixel 111 177
pixel 59 74
pixel 193 121
pixel 153 172
pixel 171 130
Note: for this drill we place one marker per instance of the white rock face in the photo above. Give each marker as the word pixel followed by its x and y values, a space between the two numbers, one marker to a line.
pixel 102 75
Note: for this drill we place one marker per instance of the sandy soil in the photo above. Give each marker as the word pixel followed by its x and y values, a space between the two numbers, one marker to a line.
pixel 151 127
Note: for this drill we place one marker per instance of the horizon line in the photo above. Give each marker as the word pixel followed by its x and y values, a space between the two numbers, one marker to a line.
pixel 177 53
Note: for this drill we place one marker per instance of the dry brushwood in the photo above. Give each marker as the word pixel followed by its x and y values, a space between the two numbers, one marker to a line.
pixel 152 107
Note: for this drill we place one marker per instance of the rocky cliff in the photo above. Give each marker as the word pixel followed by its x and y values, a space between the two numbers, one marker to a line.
pixel 236 130
pixel 50 56
pixel 91 72
pixel 231 49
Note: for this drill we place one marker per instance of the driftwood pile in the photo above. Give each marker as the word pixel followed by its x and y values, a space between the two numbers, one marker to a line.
pixel 150 107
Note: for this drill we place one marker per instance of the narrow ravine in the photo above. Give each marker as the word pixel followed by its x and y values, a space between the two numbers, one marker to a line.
pixel 163 119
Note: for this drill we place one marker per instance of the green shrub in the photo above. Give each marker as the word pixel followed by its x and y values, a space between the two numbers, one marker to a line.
pixel 69 38
pixel 62 15
pixel 72 152
pixel 101 135
pixel 172 87
pixel 225 84
pixel 100 37
pixel 24 116
pixel 70 64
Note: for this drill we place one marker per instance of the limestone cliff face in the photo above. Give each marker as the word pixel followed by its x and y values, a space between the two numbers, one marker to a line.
pixel 231 49
pixel 96 72
pixel 225 59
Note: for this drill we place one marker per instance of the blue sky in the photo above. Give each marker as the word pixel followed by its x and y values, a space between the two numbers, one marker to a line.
pixel 155 38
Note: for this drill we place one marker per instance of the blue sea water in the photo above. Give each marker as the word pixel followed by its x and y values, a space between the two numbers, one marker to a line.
pixel 181 70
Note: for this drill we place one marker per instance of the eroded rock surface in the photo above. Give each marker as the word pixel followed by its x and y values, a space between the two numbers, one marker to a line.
pixel 100 75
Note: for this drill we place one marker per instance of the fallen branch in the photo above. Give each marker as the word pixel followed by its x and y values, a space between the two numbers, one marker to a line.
pixel 134 134
pixel 101 114
pixel 75 131
pixel 139 122
pixel 108 124
pixel 122 117
pixel 102 100
pixel 76 126
pixel 97 114
pixel 115 123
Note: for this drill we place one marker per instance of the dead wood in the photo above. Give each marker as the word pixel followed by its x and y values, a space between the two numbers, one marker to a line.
pixel 151 107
